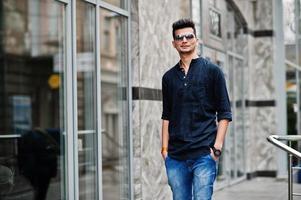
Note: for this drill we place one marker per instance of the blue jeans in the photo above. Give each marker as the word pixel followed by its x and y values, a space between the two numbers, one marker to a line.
pixel 191 179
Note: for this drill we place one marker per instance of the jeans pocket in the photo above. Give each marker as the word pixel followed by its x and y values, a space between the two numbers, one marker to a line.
pixel 210 156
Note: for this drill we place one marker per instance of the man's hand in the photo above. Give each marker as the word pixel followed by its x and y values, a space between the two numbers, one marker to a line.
pixel 212 155
pixel 164 154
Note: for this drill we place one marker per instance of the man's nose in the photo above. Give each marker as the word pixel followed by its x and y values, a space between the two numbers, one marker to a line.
pixel 184 39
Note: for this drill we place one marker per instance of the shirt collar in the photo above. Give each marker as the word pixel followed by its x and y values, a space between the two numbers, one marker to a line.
pixel 194 60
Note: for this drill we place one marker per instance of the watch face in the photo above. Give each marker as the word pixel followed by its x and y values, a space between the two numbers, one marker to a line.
pixel 217 153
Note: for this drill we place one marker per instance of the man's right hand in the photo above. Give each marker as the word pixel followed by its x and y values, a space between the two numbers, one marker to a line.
pixel 164 154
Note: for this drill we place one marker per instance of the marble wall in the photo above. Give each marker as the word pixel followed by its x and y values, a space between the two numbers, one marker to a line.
pixel 152 55
pixel 155 36
pixel 262 87
pixel 261 154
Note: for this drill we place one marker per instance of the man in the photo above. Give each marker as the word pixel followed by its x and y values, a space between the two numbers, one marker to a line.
pixel 195 98
pixel 38 158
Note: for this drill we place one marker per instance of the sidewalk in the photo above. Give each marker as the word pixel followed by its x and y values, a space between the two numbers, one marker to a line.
pixel 257 189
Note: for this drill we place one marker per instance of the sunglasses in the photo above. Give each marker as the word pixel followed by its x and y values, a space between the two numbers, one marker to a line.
pixel 188 36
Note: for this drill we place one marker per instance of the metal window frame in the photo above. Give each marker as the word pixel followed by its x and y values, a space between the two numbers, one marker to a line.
pixel 70 184
pixel 130 103
pixel 110 7
pixel 74 99
pixel 63 1
pixel 98 106
pixel 91 1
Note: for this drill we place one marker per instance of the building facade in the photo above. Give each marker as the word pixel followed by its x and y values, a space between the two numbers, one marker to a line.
pixel 80 87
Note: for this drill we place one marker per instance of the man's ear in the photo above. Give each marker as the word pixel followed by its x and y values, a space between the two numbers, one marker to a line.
pixel 173 44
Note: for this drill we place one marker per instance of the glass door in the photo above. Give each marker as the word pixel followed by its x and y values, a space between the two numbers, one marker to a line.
pixel 235 139
pixel 114 105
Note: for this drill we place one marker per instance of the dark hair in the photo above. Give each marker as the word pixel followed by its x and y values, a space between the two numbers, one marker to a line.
pixel 183 23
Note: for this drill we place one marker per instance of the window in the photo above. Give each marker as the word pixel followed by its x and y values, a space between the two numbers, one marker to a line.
pixel 215 23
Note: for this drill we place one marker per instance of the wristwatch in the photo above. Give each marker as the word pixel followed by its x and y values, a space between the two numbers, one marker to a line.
pixel 217 152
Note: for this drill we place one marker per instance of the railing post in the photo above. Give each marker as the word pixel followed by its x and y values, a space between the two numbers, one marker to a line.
pixel 275 139
pixel 290 178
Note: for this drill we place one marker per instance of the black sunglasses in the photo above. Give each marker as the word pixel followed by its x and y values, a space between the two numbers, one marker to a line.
pixel 188 36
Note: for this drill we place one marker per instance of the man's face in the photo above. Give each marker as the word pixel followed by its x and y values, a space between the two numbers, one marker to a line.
pixel 185 41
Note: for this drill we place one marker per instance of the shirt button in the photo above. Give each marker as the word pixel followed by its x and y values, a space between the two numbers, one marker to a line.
pixel 185 84
pixel 184 77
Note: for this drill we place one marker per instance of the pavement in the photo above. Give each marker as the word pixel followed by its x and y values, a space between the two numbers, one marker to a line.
pixel 257 189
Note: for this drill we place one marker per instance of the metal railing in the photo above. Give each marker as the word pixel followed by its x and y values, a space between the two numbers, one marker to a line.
pixel 276 140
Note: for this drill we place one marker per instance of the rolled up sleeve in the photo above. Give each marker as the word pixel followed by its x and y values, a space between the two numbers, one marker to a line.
pixel 222 102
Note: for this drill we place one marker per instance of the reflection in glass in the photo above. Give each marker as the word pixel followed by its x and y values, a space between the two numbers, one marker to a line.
pixel 114 105
pixel 32 73
pixel 86 93
pixel 291 103
pixel 215 23
pixel 118 3
pixel 291 94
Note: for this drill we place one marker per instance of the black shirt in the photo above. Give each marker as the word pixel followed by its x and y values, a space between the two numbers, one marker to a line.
pixel 192 103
